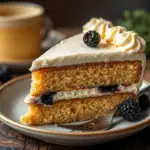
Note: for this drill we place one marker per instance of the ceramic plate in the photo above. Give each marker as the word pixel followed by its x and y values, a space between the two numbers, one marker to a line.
pixel 12 95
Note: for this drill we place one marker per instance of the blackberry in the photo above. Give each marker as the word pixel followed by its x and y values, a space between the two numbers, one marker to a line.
pixel 109 88
pixel 5 73
pixel 144 102
pixel 47 98
pixel 91 38
pixel 130 110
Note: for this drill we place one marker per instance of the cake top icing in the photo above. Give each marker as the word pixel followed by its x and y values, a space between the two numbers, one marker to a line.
pixel 117 44
pixel 116 35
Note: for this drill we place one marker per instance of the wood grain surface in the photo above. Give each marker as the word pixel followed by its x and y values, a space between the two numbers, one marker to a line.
pixel 13 140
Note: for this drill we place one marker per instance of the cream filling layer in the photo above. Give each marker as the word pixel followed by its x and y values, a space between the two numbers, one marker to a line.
pixel 82 93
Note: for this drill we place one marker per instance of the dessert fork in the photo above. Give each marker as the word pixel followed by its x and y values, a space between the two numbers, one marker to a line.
pixel 102 123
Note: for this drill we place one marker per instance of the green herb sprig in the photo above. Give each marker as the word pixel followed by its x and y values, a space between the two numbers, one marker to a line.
pixel 138 21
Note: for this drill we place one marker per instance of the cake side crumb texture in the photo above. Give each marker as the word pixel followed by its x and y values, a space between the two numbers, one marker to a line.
pixel 85 76
pixel 72 110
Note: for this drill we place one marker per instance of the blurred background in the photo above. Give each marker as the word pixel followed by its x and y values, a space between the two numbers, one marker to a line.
pixel 72 13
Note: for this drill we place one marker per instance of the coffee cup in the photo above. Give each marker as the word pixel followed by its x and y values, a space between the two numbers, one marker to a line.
pixel 20 31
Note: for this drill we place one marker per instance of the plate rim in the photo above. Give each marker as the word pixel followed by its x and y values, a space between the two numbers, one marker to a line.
pixel 8 121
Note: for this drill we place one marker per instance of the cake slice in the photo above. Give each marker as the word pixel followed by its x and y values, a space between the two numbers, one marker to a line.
pixel 81 79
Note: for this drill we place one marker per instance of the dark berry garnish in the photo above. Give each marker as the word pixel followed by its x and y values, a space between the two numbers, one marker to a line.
pixel 91 38
pixel 144 102
pixel 47 98
pixel 5 73
pixel 109 88
pixel 130 110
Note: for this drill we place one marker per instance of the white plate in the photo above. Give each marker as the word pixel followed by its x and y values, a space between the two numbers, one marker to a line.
pixel 12 107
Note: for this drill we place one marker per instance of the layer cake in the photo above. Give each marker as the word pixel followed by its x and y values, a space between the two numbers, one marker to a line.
pixel 74 82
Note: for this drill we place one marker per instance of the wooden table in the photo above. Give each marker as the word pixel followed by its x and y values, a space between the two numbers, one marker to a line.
pixel 13 140
pixel 10 139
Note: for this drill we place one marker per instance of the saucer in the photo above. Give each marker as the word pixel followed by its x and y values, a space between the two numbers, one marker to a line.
pixel 12 106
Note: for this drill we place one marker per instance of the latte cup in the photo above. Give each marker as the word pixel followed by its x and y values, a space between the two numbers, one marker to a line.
pixel 20 31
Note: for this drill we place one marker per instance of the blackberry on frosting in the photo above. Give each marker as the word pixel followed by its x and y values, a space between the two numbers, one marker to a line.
pixel 116 35
pixel 91 38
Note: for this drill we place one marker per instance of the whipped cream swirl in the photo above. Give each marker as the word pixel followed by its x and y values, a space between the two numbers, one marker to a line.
pixel 118 36
pixel 99 25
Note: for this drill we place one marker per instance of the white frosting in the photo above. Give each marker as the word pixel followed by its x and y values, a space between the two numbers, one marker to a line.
pixel 82 93
pixel 117 44
pixel 73 51
pixel 118 36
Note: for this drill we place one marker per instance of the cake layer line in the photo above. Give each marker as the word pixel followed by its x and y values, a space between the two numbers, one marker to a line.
pixel 82 93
